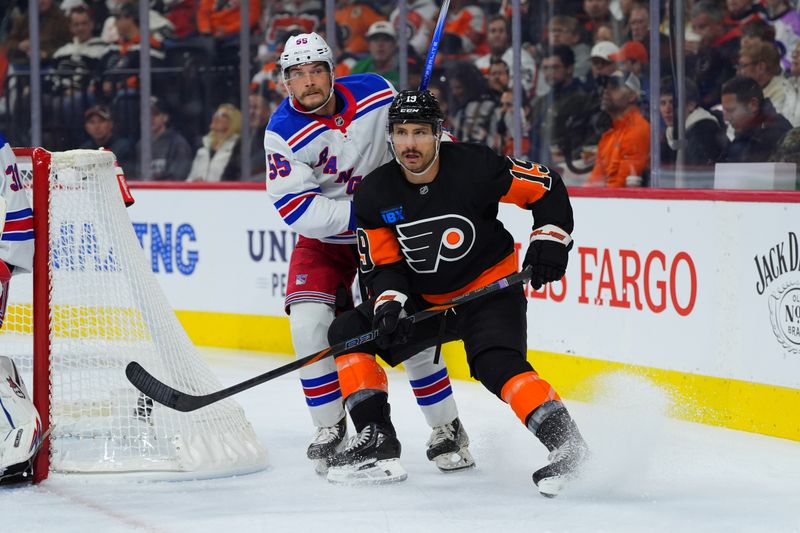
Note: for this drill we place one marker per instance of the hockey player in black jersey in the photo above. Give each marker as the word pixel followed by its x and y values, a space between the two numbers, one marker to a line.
pixel 428 232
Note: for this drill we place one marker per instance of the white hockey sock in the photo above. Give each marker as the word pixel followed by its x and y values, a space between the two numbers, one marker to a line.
pixel 431 386
pixel 309 324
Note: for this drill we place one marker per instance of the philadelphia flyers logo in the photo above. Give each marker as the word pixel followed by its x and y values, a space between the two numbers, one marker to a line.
pixel 427 242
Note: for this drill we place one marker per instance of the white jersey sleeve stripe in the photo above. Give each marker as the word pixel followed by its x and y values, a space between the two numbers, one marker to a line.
pixel 295 209
pixel 289 197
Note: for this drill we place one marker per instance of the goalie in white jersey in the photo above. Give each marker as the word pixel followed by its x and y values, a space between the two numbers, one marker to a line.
pixel 320 142
pixel 20 425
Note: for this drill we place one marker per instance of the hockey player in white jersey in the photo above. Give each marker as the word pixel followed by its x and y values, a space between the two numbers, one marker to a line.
pixel 16 244
pixel 20 425
pixel 320 142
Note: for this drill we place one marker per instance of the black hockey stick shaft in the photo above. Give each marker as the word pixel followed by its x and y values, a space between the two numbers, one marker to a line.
pixel 181 401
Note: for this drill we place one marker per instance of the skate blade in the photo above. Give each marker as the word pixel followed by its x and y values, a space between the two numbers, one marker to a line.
pixel 321 467
pixel 368 473
pixel 553 486
pixel 453 462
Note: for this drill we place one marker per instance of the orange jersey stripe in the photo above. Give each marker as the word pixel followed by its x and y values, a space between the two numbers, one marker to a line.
pixel 530 183
pixel 525 392
pixel 360 371
pixel 500 270
pixel 383 246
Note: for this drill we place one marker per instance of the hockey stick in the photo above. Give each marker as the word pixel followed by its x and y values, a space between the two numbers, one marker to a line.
pixel 437 35
pixel 181 401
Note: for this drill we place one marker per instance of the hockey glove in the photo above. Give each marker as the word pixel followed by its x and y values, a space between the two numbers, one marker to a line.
pixel 547 255
pixel 388 319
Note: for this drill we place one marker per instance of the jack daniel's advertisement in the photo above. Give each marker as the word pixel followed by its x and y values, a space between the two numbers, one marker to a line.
pixel 778 276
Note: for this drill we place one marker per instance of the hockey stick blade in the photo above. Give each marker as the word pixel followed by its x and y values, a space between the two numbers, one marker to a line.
pixel 185 402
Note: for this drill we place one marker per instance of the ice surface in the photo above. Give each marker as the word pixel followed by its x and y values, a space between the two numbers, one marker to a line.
pixel 649 474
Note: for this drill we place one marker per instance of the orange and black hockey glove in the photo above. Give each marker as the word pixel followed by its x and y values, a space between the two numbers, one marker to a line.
pixel 548 254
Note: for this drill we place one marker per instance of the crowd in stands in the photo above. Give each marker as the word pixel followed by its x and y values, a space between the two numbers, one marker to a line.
pixel 584 75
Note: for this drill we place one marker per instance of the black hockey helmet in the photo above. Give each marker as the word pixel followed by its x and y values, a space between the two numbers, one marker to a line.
pixel 416 106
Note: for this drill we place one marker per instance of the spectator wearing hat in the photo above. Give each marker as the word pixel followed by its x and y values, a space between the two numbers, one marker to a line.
pixel 382 45
pixel 623 153
pixel 632 58
pixel 758 128
pixel 705 135
pixel 99 126
pixel 171 155
pixel 602 67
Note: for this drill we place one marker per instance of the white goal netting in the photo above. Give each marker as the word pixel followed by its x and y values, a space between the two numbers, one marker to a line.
pixel 107 309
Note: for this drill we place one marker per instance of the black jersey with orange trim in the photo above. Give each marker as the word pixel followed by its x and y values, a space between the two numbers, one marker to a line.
pixel 443 238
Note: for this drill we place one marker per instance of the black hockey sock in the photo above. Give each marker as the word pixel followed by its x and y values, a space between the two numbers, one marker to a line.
pixel 374 408
pixel 557 429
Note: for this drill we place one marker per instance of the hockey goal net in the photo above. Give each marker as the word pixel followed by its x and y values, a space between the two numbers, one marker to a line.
pixel 91 305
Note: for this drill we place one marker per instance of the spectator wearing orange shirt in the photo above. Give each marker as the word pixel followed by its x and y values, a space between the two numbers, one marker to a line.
pixel 220 20
pixel 354 18
pixel 623 153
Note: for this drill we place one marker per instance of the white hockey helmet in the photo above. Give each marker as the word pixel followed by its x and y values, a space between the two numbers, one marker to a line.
pixel 306 48
pixel 20 428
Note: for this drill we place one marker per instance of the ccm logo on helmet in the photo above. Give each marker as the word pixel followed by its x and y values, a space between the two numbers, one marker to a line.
pixel 426 242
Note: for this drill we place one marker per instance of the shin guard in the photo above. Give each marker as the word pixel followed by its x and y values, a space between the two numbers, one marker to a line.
pixel 526 392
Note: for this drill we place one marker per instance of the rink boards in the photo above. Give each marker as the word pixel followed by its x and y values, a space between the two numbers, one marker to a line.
pixel 698 290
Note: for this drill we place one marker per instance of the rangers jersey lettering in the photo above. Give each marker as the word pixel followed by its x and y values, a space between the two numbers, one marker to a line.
pixel 314 163
pixel 443 238
pixel 16 244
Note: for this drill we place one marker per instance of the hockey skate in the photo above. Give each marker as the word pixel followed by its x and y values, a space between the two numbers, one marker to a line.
pixel 448 447
pixel 568 453
pixel 327 442
pixel 371 457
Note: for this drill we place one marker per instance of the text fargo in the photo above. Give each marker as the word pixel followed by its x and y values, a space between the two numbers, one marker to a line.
pixel 628 279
